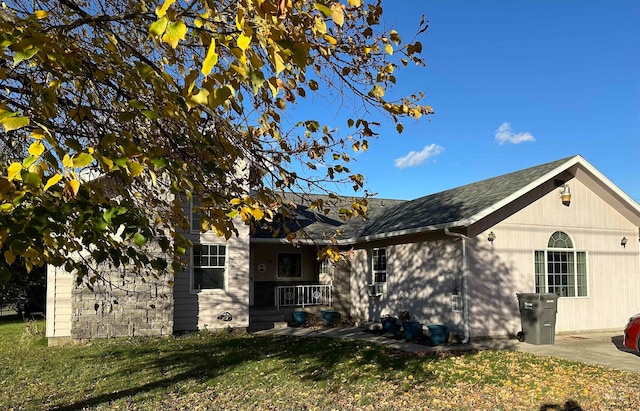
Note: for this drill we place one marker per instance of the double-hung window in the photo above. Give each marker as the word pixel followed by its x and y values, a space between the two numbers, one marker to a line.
pixel 379 263
pixel 208 267
pixel 560 269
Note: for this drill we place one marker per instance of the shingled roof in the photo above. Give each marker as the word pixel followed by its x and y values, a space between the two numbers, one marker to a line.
pixel 451 207
pixel 456 207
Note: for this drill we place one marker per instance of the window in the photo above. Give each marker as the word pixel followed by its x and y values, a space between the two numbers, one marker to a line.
pixel 560 269
pixel 290 265
pixel 379 262
pixel 325 267
pixel 209 266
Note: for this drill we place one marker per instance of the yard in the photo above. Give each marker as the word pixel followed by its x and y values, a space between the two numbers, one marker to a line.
pixel 238 371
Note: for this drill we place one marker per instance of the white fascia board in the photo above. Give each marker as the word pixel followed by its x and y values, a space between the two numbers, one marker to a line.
pixel 524 190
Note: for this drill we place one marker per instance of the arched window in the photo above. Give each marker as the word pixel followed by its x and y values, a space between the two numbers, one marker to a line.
pixel 560 269
pixel 560 239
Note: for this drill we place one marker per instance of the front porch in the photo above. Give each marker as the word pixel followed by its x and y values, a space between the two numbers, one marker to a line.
pixel 291 294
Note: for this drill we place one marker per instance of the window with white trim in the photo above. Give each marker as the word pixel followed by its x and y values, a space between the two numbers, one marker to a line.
pixel 560 269
pixel 208 267
pixel 325 267
pixel 379 265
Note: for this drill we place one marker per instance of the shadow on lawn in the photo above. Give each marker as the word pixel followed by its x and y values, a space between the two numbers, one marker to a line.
pixel 200 358
pixel 570 405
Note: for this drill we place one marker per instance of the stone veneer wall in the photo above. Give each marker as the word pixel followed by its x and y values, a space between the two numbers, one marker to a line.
pixel 122 306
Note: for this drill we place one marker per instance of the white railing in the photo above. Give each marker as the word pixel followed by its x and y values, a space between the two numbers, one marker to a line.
pixel 303 295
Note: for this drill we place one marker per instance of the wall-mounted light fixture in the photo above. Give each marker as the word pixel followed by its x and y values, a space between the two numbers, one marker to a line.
pixel 491 237
pixel 566 195
pixel 623 242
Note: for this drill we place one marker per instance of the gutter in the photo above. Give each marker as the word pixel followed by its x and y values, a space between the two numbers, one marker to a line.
pixel 465 281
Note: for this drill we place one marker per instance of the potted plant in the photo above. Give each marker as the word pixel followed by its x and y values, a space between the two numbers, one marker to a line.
pixel 410 326
pixel 388 324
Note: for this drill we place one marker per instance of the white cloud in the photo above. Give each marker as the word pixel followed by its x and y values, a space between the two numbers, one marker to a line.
pixel 505 135
pixel 415 158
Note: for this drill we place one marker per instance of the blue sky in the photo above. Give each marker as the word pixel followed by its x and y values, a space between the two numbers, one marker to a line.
pixel 513 84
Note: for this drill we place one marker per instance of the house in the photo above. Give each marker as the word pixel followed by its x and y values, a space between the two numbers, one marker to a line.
pixel 457 257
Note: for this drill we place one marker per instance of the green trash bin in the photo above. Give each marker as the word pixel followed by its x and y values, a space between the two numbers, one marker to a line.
pixel 538 317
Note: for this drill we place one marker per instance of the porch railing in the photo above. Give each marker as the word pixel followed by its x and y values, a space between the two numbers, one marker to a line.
pixel 303 295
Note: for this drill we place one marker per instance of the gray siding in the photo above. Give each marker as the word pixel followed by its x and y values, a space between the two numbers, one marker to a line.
pixel 201 309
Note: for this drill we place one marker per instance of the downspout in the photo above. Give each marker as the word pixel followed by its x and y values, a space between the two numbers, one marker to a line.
pixel 465 285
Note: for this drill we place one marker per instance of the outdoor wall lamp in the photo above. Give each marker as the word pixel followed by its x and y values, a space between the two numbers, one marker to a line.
pixel 623 242
pixel 566 195
pixel 491 237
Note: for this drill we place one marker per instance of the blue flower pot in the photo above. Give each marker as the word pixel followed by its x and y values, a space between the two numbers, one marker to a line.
pixel 411 330
pixel 329 317
pixel 299 317
pixel 438 333
pixel 388 325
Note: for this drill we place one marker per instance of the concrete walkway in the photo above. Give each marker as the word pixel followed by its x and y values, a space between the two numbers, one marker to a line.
pixel 601 348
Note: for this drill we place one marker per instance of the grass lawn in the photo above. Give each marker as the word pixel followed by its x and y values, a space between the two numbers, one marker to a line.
pixel 238 371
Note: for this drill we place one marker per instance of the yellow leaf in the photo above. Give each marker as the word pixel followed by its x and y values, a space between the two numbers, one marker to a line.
pixel 257 213
pixel 37 134
pixel 175 32
pixel 243 41
pixel 14 123
pixel 107 162
pixel 330 39
pixel 355 3
pixel 337 14
pixel 198 99
pixel 14 170
pixel 36 148
pixel 161 11
pixel 134 168
pixel 9 257
pixel 279 62
pixel 41 14
pixel 388 48
pixel 67 162
pixel 52 181
pixel 210 59
pixel 6 208
pixel 73 186
pixel 158 27
pixel 235 201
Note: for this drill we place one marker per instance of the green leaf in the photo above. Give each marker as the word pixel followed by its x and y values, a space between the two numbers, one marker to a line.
pixel 257 80
pixel 159 162
pixel 31 179
pixel 151 115
pixel 139 240
pixel 323 9
pixel 20 56
pixel 82 160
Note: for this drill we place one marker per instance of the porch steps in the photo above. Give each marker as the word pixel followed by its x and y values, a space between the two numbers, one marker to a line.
pixel 266 319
